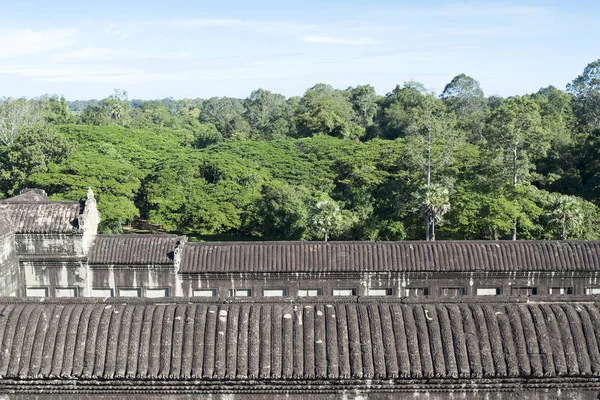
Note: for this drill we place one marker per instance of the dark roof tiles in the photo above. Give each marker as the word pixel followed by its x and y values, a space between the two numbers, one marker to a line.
pixel 133 249
pixel 466 256
pixel 43 217
pixel 298 341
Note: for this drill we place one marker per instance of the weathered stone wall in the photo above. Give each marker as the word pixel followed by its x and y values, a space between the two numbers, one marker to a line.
pixel 340 394
pixel 11 278
pixel 49 245
pixel 75 272
pixel 53 274
pixel 400 284
pixel 144 278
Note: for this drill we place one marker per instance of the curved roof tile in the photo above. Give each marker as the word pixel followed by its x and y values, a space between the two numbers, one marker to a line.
pixel 133 249
pixel 216 257
pixel 43 217
pixel 298 341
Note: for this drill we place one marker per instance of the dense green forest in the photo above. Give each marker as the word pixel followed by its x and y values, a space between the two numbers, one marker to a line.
pixel 332 164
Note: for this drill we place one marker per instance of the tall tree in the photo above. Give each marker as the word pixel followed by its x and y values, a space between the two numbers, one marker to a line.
pixel 325 217
pixel 15 116
pixel 226 114
pixel 567 214
pixel 33 151
pixel 514 137
pixel 324 110
pixel 464 97
pixel 398 109
pixel 434 203
pixel 586 91
pixel 269 114
pixel 364 100
pixel 282 212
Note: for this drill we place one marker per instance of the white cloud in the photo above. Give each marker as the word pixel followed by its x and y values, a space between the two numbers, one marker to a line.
pixel 93 53
pixel 233 24
pixel 118 32
pixel 71 73
pixel 25 42
pixel 490 9
pixel 337 40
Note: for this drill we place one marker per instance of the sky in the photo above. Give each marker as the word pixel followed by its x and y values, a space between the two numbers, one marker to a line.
pixel 200 49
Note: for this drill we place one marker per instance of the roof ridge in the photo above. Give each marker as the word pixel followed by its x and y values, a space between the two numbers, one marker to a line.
pixel 419 242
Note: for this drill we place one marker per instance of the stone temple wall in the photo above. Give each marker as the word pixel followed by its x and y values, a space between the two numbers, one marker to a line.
pixel 11 277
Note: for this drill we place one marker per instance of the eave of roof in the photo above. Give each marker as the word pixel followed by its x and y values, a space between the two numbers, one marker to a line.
pixel 133 249
pixel 287 342
pixel 463 256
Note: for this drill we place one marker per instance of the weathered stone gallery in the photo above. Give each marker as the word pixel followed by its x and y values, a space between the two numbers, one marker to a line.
pixel 311 320
pixel 52 249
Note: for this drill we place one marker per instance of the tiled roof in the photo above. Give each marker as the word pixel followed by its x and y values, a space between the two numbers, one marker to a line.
pixel 43 217
pixel 172 340
pixel 31 212
pixel 391 256
pixel 28 196
pixel 133 249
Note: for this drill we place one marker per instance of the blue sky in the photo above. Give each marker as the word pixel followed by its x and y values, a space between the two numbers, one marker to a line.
pixel 85 49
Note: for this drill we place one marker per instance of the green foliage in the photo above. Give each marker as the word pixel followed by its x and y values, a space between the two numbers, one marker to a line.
pixel 326 217
pixel 32 152
pixel 282 212
pixel 332 164
pixel 205 194
pixel 269 115
pixel 114 179
pixel 586 96
pixel 365 103
pixel 514 137
pixel 433 202
pixel 323 110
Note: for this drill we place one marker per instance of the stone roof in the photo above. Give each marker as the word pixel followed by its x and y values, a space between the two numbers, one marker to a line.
pixel 472 339
pixel 28 196
pixel 44 217
pixel 32 212
pixel 133 249
pixel 217 257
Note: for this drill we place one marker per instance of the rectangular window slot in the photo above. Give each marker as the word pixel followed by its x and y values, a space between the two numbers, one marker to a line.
pixel 592 290
pixel 560 290
pixel 65 292
pixel 488 291
pixel 205 293
pixel 103 292
pixel 453 291
pixel 130 292
pixel 344 292
pixel 37 292
pixel 524 291
pixel 240 292
pixel 379 292
pixel 275 292
pixel 157 293
pixel 309 292
pixel 417 292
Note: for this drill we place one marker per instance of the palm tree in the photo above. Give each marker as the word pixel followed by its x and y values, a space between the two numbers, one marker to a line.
pixel 434 203
pixel 325 217
pixel 566 214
